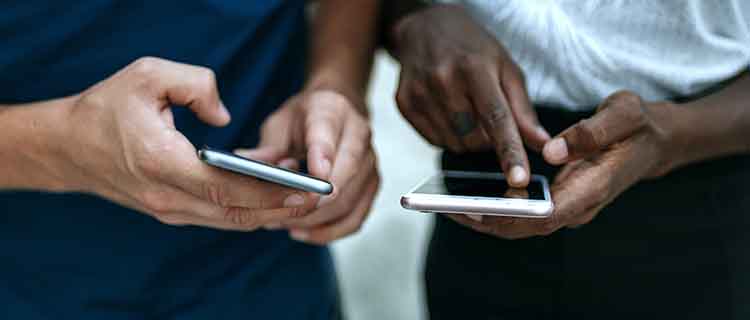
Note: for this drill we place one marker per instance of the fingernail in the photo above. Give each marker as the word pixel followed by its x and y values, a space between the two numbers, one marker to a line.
pixel 273 226
pixel 287 163
pixel 294 200
pixel 543 133
pixel 299 235
pixel 517 174
pixel 475 217
pixel 556 150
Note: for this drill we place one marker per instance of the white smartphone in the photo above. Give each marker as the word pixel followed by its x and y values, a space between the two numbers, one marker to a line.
pixel 481 193
pixel 264 171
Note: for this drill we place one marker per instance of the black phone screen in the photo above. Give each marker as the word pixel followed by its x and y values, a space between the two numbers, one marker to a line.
pixel 494 186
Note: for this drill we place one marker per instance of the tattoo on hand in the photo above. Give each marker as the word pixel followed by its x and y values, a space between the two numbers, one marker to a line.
pixel 463 123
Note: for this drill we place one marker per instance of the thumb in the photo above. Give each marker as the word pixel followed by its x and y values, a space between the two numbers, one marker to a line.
pixel 617 118
pixel 181 84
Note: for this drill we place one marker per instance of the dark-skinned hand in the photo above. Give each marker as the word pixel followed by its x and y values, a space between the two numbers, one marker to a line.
pixel 461 90
pixel 626 141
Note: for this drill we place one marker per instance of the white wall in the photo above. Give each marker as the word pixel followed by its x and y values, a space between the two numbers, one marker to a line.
pixel 380 268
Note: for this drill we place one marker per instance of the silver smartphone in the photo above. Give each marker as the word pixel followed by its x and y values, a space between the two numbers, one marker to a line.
pixel 264 171
pixel 481 193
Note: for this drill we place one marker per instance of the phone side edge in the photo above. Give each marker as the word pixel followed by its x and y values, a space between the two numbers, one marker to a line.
pixel 265 172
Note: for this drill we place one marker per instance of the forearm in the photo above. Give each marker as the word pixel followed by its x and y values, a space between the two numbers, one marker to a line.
pixel 716 125
pixel 29 146
pixel 343 43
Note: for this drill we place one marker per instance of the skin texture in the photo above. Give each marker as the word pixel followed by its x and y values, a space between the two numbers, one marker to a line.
pixel 627 141
pixel 327 123
pixel 461 90
pixel 117 140
pixel 326 128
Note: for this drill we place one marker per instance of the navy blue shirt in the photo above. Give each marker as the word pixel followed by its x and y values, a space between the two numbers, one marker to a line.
pixel 75 256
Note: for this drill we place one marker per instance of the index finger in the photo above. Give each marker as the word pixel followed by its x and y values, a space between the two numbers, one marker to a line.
pixel 491 106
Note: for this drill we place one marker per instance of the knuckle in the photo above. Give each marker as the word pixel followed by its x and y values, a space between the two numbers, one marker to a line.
pixel 296 212
pixel 497 116
pixel 216 193
pixel 588 136
pixel 471 62
pixel 146 66
pixel 206 79
pixel 240 217
pixel 444 75
pixel 335 100
pixel 624 98
pixel 271 202
pixel 630 106
pixel 511 153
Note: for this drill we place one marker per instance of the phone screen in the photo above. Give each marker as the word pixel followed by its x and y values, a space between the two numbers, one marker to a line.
pixel 494 186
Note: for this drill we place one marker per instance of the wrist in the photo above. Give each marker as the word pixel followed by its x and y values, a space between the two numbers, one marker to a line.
pixel 35 136
pixel 669 137
pixel 330 81
pixel 683 140
pixel 416 25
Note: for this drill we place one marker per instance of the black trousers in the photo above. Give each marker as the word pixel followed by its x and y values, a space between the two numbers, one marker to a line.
pixel 673 248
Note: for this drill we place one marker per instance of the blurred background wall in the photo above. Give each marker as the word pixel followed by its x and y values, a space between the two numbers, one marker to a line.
pixel 380 268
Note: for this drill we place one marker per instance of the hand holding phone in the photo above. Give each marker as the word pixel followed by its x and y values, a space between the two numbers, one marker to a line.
pixel 480 193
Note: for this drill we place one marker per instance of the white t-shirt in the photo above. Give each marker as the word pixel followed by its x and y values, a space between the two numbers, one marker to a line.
pixel 575 53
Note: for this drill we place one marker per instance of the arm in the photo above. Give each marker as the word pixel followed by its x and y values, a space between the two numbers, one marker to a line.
pixel 714 126
pixel 343 43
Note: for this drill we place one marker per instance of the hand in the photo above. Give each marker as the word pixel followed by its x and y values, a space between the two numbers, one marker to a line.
pixel 330 131
pixel 461 90
pixel 626 141
pixel 123 146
